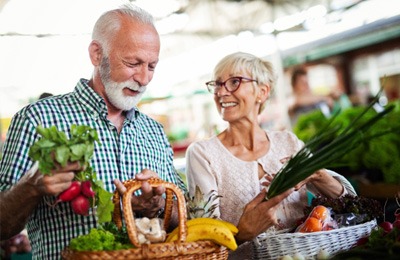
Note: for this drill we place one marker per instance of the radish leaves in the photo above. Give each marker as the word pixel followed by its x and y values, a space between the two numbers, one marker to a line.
pixel 54 147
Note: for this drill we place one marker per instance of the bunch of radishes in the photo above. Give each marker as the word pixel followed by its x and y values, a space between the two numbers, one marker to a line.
pixel 79 195
pixel 386 231
pixel 54 148
pixel 388 226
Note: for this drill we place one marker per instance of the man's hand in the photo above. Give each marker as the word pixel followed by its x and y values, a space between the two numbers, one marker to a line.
pixel 51 184
pixel 150 201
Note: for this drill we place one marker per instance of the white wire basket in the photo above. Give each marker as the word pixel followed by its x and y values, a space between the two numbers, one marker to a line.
pixel 275 246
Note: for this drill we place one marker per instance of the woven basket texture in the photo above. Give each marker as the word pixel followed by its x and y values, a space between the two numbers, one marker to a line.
pixel 275 246
pixel 179 249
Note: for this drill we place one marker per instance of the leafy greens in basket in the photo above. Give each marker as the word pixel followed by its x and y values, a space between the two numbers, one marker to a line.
pixel 329 145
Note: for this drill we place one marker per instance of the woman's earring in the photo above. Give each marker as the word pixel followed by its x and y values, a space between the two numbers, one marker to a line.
pixel 259 101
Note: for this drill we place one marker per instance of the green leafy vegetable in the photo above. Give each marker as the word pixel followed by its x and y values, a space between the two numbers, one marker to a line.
pixel 98 240
pixel 54 147
pixel 327 147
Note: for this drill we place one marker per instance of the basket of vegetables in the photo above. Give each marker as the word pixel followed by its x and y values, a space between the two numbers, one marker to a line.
pixel 320 245
pixel 187 244
pixel 331 226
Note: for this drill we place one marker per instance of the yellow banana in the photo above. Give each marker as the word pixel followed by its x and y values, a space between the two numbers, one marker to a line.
pixel 205 221
pixel 213 221
pixel 219 234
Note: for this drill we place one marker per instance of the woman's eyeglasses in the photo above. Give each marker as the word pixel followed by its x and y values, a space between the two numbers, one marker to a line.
pixel 231 84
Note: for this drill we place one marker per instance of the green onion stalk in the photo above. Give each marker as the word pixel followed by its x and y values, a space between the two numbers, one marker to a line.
pixel 326 147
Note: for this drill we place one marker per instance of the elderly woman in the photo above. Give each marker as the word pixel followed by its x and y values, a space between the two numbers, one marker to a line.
pixel 240 162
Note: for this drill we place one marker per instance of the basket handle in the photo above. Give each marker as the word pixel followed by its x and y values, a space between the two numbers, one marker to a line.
pixel 133 185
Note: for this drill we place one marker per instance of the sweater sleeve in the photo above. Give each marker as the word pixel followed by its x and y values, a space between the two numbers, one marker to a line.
pixel 348 188
pixel 199 173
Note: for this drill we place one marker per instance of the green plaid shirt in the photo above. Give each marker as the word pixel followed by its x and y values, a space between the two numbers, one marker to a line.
pixel 141 144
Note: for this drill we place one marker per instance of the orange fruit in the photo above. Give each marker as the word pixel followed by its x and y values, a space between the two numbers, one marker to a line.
pixel 320 212
pixel 311 225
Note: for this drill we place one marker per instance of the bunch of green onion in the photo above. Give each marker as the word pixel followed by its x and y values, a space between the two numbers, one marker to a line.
pixel 325 148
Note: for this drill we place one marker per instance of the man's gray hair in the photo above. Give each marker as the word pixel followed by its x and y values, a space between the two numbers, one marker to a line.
pixel 109 23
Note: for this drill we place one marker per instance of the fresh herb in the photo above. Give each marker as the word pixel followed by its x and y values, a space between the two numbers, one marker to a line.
pixel 328 146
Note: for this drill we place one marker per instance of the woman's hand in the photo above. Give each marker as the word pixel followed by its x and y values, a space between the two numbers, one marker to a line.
pixel 324 183
pixel 267 180
pixel 258 215
pixel 150 201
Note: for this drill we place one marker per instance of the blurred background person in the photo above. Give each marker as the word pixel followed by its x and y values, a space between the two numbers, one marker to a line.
pixel 304 100
pixel 17 247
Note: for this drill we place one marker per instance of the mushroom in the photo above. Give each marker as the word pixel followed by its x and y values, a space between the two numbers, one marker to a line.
pixel 150 230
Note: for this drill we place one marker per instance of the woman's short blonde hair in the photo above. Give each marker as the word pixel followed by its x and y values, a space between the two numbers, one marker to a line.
pixel 258 69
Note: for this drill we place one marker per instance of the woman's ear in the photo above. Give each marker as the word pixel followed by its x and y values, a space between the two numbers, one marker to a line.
pixel 263 94
pixel 95 53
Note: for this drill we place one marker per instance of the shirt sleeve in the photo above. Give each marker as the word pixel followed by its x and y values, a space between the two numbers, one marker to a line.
pixel 15 161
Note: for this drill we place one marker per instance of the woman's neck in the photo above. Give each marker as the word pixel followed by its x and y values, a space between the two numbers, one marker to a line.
pixel 247 143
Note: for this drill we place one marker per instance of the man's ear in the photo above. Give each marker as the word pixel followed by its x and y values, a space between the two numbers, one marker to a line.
pixel 95 53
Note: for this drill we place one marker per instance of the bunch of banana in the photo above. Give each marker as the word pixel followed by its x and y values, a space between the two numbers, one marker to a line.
pixel 216 230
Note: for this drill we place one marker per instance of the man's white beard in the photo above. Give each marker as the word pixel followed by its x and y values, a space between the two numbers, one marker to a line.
pixel 115 94
pixel 114 90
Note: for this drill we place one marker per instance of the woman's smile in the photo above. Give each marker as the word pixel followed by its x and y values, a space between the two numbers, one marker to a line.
pixel 228 104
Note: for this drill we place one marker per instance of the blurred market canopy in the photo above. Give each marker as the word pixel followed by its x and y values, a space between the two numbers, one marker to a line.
pixel 43 43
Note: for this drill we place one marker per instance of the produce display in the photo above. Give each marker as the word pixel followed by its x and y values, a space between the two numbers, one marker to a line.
pixel 325 229
pixel 385 164
pixel 54 148
pixel 330 144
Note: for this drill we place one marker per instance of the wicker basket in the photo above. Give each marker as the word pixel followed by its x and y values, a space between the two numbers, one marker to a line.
pixel 179 249
pixel 275 246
